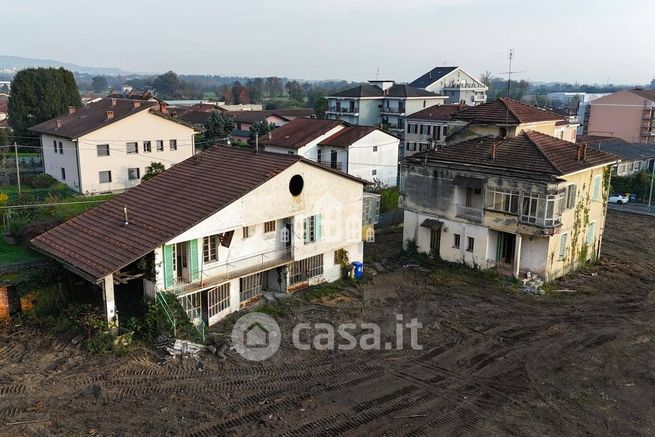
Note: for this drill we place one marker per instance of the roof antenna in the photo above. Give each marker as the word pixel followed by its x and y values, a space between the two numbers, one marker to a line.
pixel 127 222
pixel 377 74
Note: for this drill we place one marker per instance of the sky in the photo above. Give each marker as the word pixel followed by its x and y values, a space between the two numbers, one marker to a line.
pixel 586 41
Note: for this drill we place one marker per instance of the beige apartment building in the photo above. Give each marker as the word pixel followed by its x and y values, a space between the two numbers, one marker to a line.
pixel 627 114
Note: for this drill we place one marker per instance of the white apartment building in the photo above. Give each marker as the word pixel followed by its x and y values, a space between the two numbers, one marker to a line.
pixel 455 83
pixel 233 224
pixel 109 145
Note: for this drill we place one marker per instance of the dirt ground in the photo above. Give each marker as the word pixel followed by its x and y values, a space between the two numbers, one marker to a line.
pixel 494 362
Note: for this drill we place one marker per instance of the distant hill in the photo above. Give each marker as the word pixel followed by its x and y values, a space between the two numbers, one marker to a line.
pixel 11 64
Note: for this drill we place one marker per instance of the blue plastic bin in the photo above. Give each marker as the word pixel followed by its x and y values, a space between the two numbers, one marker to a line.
pixel 359 269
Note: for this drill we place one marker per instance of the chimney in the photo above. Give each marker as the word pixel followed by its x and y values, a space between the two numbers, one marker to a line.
pixel 113 102
pixel 493 151
pixel 581 154
pixel 270 135
pixel 126 222
pixel 71 109
pixel 58 123
pixel 110 115
pixel 136 103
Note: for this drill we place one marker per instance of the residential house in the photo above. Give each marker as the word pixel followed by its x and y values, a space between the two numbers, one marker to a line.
pixel 217 230
pixel 526 203
pixel 453 82
pixel 635 157
pixel 428 128
pixel 505 117
pixel 108 146
pixel 4 109
pixel 380 103
pixel 243 121
pixel 363 151
pixel 627 114
pixel 578 100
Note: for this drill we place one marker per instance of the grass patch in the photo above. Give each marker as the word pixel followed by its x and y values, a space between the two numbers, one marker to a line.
pixel 10 254
pixel 66 212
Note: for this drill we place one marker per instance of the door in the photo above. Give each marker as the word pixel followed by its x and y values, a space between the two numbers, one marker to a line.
pixel 505 248
pixel 333 158
pixel 182 262
pixel 435 242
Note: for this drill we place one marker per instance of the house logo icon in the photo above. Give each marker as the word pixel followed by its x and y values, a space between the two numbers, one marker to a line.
pixel 256 336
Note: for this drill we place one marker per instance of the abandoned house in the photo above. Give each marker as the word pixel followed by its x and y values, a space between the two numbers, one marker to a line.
pixel 505 117
pixel 529 203
pixel 217 230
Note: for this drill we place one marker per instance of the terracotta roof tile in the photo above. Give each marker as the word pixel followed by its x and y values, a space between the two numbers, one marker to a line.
pixel 347 136
pixel 297 133
pixel 436 112
pixel 505 110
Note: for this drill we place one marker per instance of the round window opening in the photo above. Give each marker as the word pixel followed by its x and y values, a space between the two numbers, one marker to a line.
pixel 296 185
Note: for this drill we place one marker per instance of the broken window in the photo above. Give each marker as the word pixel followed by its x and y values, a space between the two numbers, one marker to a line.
pixel 503 200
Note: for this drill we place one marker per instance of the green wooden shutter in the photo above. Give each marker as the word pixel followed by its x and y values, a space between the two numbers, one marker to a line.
pixel 168 266
pixel 319 227
pixel 194 261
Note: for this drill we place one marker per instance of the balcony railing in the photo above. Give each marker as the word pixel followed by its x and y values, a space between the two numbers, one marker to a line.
pixel 351 111
pixel 216 274
pixel 386 110
pixel 469 212
pixel 335 165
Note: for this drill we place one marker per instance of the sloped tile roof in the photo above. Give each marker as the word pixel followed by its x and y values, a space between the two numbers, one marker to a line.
pixel 436 112
pixel 432 76
pixel 347 136
pixel 300 131
pixel 98 242
pixel 645 93
pixel 505 111
pixel 529 152
pixel 360 91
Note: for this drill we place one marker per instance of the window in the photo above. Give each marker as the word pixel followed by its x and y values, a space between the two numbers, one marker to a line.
pixel 250 286
pixel 374 172
pixel 218 299
pixel 269 226
pixel 63 174
pixel 456 241
pixel 470 244
pixel 570 196
pixel 61 148
pixel 290 152
pixel 596 191
pixel 319 155
pixel 445 131
pixel 503 200
pixel 248 231
pixel 375 148
pixel 312 229
pixel 210 248
pixel 102 149
pixel 637 165
pixel 421 130
pixel 132 147
pixel 133 173
pixel 428 129
pixel 591 233
pixel 563 242
pixel 147 146
pixel 172 144
pixel 307 268
pixel 160 145
pixel 104 176
pixel 54 143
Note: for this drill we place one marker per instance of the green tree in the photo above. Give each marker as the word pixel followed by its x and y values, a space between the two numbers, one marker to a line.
pixel 320 107
pixel 261 128
pixel 219 127
pixel 273 86
pixel 99 84
pixel 240 94
pixel 255 89
pixel 169 85
pixel 40 94
pixel 5 137
pixel 295 91
pixel 153 170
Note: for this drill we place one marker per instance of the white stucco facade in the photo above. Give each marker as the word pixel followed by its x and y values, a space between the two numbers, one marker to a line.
pixel 83 163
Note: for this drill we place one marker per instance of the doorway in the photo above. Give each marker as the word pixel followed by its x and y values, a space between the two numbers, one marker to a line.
pixel 333 158
pixel 182 261
pixel 505 248
pixel 435 242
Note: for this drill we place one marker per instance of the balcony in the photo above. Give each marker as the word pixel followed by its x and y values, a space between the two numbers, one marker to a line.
pixel 469 212
pixel 332 164
pixel 214 275
pixel 344 111
pixel 396 111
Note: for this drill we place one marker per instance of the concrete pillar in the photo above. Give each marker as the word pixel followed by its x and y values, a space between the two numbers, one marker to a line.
pixel 110 302
pixel 517 255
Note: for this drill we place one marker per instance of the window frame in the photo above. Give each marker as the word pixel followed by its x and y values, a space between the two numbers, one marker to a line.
pixel 457 241
pixel 563 248
pixel 147 146
pixel 138 174
pixel 159 145
pixel 63 174
pixel 108 172
pixel 172 145
pixel 98 146
pixel 210 246
pixel 470 244
pixel 135 144
pixel 270 226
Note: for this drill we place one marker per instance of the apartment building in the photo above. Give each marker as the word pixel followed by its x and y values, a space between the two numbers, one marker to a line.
pixel 228 225
pixel 107 146
pixel 362 151
pixel 459 86
pixel 428 128
pixel 527 203
pixel 627 114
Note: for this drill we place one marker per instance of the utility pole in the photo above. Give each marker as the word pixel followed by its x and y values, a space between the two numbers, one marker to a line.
pixel 509 73
pixel 650 195
pixel 17 166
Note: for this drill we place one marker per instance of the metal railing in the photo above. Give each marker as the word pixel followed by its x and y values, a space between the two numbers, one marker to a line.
pixel 160 300
pixel 469 212
pixel 389 110
pixel 336 165
pixel 344 110
pixel 214 275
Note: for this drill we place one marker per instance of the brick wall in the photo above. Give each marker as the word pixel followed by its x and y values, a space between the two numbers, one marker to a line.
pixel 8 302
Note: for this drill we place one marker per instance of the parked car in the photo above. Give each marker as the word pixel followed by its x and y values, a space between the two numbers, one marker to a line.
pixel 618 198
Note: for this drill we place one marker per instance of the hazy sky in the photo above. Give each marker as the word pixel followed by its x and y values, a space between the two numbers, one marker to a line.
pixel 568 40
